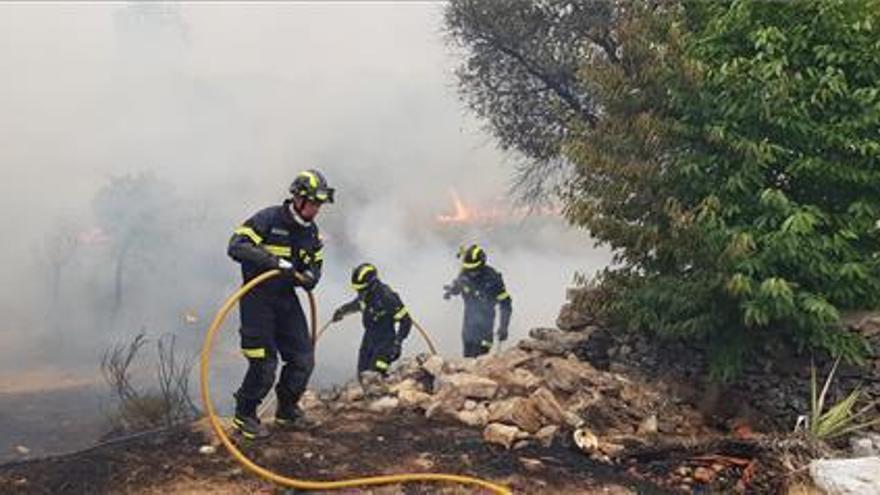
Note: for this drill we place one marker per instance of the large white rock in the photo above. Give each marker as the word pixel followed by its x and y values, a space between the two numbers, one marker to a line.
pixel 413 398
pixel 545 402
pixel 518 380
pixel 433 365
pixel 468 385
pixel 552 341
pixel 408 385
pixel 478 416
pixel 545 435
pixel 458 365
pixel 446 403
pixel 352 393
pixel 384 405
pixel 503 434
pixel 517 411
pixel 847 476
pixel 567 375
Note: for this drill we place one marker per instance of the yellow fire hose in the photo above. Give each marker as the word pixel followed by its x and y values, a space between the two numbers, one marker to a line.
pixel 316 337
pixel 219 318
pixel 422 332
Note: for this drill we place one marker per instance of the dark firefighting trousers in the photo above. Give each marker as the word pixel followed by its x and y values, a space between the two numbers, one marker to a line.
pixel 273 324
pixel 476 332
pixel 376 351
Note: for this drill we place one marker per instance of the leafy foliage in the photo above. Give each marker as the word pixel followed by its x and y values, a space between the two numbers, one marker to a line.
pixel 734 168
pixel 520 73
pixel 744 200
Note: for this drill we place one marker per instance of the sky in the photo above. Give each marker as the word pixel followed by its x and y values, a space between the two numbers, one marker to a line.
pixel 222 104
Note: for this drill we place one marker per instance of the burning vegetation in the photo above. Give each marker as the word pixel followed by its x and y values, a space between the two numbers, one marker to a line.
pixel 492 215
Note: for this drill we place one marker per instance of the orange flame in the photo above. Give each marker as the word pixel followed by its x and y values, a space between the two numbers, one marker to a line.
pixel 470 214
pixel 461 215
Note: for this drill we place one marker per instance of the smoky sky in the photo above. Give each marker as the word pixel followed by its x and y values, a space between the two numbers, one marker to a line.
pixel 224 103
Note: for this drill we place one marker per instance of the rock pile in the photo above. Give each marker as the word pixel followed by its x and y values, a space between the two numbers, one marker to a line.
pixel 531 393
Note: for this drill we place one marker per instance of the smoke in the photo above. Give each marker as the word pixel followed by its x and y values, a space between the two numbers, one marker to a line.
pixel 221 105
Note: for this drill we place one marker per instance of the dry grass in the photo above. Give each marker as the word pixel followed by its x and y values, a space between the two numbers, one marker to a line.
pixel 140 408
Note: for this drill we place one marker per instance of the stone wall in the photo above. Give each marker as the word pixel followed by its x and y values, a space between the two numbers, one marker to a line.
pixel 772 391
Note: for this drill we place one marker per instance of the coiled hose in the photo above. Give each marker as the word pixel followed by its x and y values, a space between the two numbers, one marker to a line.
pixel 299 484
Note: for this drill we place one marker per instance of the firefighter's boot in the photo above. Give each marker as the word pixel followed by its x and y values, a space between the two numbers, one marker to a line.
pixel 246 421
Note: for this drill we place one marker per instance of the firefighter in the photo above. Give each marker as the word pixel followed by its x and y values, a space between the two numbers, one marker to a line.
pixel 381 310
pixel 482 288
pixel 281 237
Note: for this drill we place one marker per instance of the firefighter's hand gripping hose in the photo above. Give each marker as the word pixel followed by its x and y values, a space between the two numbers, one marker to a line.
pixel 293 482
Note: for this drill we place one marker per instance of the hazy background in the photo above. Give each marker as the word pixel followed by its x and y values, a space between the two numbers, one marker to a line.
pixel 202 114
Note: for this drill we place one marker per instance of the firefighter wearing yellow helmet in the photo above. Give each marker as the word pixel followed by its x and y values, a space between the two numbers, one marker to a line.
pixel 381 310
pixel 281 237
pixel 482 288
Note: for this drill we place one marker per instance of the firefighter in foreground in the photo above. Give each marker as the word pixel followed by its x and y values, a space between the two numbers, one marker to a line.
pixel 381 310
pixel 281 237
pixel 481 287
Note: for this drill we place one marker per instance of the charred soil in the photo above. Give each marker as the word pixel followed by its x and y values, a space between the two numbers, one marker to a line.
pixel 354 443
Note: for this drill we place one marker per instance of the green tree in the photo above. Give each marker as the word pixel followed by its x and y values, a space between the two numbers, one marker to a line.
pixel 520 74
pixel 744 197
pixel 733 168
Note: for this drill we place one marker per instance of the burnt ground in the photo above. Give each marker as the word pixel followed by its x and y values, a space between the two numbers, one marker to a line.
pixel 353 443
pixel 44 421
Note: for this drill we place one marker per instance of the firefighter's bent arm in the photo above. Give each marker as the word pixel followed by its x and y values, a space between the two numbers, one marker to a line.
pixel 310 262
pixel 346 309
pixel 404 325
pixel 244 245
pixel 453 289
pixel 506 307
pixel 401 317
pixel 505 304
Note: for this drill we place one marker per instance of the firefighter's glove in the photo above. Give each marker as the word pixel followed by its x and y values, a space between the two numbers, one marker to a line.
pixel 285 265
pixel 305 279
pixel 338 315
pixel 502 334
pixel 447 292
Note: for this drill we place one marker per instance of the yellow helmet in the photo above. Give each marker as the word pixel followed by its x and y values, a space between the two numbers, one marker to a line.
pixel 312 185
pixel 363 276
pixel 472 256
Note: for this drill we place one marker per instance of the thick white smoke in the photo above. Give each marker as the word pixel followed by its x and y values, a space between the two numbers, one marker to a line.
pixel 223 104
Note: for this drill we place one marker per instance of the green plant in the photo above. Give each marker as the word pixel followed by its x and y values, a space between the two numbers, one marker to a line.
pixel 735 174
pixel 727 152
pixel 840 418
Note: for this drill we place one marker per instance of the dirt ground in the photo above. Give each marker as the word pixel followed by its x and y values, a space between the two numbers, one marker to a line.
pixel 46 420
pixel 170 462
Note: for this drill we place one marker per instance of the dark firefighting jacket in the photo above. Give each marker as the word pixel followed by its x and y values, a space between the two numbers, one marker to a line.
pixel 273 233
pixel 482 288
pixel 381 308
